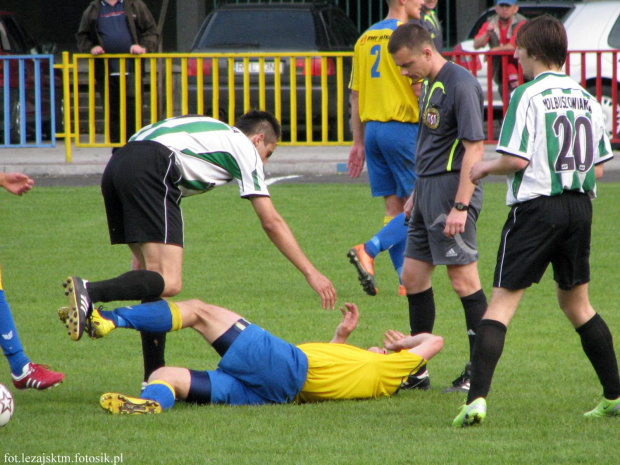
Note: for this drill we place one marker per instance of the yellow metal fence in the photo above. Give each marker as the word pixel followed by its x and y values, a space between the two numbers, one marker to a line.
pixel 307 93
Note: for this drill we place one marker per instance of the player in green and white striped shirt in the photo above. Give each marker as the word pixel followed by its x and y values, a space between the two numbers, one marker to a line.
pixel 142 187
pixel 553 145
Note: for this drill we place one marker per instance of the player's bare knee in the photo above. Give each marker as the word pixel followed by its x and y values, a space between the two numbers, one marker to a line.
pixel 172 287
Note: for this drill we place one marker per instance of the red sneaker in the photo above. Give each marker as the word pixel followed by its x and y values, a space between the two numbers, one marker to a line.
pixel 37 377
pixel 365 266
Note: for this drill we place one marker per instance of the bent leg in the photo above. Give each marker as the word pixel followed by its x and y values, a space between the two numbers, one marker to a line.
pixel 166 259
pixel 209 320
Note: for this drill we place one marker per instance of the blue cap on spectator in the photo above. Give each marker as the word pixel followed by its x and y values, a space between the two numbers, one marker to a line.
pixel 505 2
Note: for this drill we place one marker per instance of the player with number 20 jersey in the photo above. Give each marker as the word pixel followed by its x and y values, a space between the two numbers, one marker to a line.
pixel 559 128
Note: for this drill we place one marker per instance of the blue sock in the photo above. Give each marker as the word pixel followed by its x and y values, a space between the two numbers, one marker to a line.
pixel 392 233
pixel 161 392
pixel 9 340
pixel 397 254
pixel 151 317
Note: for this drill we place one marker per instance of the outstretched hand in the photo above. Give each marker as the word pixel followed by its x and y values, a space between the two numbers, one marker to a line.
pixel 350 317
pixel 16 183
pixel 324 288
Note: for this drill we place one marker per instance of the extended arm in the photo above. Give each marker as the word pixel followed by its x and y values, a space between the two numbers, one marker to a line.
pixel 504 164
pixel 425 345
pixel 350 316
pixel 282 237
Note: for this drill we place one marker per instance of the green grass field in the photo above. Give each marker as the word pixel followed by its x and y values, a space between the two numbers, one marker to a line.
pixel 542 385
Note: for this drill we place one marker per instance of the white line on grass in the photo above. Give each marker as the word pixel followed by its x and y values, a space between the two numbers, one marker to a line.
pixel 271 181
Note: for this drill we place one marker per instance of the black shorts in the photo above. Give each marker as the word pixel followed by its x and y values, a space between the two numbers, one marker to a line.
pixel 142 200
pixel 545 230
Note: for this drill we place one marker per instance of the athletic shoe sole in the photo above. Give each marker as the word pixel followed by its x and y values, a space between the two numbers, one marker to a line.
pixel 80 307
pixel 366 279
pixel 124 405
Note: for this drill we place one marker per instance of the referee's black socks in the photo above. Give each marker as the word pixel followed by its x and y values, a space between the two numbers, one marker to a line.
pixel 421 311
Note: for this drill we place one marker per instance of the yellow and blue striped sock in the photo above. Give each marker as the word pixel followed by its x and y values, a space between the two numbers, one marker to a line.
pixel 160 392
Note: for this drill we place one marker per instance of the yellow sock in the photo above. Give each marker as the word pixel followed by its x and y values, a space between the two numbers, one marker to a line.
pixel 177 321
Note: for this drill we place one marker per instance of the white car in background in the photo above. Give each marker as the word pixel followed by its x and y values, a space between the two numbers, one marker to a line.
pixel 590 26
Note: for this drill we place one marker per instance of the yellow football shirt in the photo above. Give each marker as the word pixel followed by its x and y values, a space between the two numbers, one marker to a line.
pixel 342 371
pixel 384 94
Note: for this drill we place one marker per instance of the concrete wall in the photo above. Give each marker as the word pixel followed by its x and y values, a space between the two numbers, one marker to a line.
pixel 191 14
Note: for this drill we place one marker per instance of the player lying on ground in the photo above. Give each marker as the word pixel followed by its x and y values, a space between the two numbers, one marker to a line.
pixel 143 185
pixel 259 368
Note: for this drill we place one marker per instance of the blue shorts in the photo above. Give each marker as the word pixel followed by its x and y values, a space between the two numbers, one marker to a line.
pixel 258 368
pixel 390 157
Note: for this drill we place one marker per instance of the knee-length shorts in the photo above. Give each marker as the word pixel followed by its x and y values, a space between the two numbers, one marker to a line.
pixel 142 200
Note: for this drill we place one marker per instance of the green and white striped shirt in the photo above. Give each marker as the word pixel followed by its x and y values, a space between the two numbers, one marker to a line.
pixel 208 153
pixel 559 128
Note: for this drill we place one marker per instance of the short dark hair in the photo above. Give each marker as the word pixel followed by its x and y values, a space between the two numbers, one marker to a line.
pixel 411 36
pixel 260 122
pixel 545 38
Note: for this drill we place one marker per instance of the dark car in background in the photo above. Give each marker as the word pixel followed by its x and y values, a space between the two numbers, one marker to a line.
pixel 15 39
pixel 276 28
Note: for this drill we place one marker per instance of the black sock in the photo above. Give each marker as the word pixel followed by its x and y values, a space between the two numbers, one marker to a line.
pixel 474 305
pixel 153 349
pixel 421 311
pixel 133 285
pixel 487 351
pixel 598 345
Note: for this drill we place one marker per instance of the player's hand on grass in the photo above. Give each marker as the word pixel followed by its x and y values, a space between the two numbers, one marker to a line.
pixel 324 288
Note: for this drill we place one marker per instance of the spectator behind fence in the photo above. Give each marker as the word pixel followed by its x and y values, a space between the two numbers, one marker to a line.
pixel 117 26
pixel 500 33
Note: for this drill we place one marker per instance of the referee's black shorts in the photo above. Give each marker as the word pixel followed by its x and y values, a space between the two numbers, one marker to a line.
pixel 142 200
pixel 545 230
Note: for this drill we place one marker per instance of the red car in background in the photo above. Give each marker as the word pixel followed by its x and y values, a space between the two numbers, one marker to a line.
pixel 15 39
